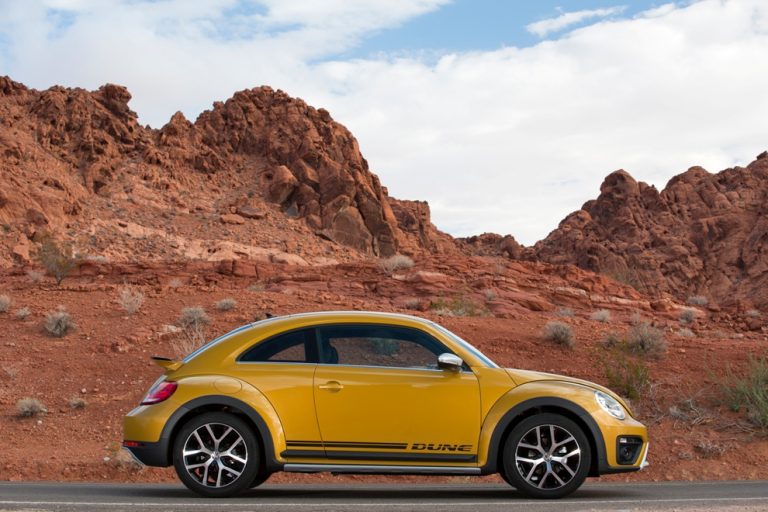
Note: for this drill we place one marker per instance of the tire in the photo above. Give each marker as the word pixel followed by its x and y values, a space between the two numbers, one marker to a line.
pixel 539 469
pixel 222 457
pixel 260 479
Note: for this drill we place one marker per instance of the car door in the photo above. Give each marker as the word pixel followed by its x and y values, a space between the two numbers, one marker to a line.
pixel 379 395
pixel 282 368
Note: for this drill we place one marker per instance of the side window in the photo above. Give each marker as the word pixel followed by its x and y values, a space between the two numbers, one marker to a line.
pixel 289 347
pixel 379 345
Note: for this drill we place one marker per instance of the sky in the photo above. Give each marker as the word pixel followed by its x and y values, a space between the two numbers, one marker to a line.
pixel 505 115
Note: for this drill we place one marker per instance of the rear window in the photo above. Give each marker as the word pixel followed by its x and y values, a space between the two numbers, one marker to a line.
pixel 288 347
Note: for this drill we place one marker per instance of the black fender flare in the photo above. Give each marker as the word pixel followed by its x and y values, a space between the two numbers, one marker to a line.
pixel 271 464
pixel 542 403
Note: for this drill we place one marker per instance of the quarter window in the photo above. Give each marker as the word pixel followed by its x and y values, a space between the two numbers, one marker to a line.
pixel 374 345
pixel 289 347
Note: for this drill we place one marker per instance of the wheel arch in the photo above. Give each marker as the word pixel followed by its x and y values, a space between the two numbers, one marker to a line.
pixel 551 404
pixel 221 403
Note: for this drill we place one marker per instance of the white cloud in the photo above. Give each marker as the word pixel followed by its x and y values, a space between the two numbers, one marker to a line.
pixel 510 140
pixel 568 19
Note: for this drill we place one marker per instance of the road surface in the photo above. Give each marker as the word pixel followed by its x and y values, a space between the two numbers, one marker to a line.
pixel 69 497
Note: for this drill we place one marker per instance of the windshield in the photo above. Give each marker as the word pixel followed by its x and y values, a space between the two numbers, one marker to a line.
pixel 466 345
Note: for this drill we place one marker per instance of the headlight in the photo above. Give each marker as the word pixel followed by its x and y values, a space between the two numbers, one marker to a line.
pixel 610 405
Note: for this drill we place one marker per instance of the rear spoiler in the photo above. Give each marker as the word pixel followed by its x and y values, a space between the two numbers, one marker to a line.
pixel 166 363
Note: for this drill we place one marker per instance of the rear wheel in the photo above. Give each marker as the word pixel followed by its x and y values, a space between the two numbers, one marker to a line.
pixel 216 455
pixel 546 456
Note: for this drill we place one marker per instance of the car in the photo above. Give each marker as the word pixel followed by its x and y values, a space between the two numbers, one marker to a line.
pixel 376 393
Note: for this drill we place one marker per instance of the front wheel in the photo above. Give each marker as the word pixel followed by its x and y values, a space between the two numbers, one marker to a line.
pixel 546 456
pixel 216 455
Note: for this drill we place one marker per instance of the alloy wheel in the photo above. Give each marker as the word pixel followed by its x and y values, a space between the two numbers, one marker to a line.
pixel 548 457
pixel 215 455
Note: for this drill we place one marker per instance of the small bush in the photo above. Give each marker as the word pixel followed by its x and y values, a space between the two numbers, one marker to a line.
pixel 636 318
pixel 709 449
pixel 35 276
pixel 685 332
pixel 698 300
pixel 627 376
pixel 396 262
pixel 193 322
pixel 564 312
pixel 646 340
pixel 57 260
pixel 174 283
pixel 130 299
pixel 601 315
pixel 77 402
pixel 5 303
pixel 749 391
pixel 257 287
pixel 412 304
pixel 193 318
pixel 489 294
pixel 688 316
pixel 30 408
pixel 22 313
pixel 558 332
pixel 753 313
pixel 612 339
pixel 58 323
pixel 459 306
pixel 227 304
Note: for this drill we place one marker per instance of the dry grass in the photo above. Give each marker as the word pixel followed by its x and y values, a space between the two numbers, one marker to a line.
pixel 193 322
pixel 227 304
pixel 644 339
pixel 58 323
pixel 396 262
pixel 709 449
pixel 35 276
pixel 175 283
pixel 601 315
pixel 564 312
pixel 77 402
pixel 58 260
pixel 489 295
pixel 257 287
pixel 5 303
pixel 685 332
pixel 22 313
pixel 558 332
pixel 130 299
pixel 30 408
pixel 458 306
pixel 688 316
pixel 698 300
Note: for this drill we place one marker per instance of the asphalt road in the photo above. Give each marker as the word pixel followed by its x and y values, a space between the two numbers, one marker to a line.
pixel 384 497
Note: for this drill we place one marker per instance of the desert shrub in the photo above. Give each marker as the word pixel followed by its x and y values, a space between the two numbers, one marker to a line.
pixel 22 313
pixel 257 287
pixel 77 402
pixel 688 316
pixel 5 303
pixel 749 391
pixel 174 283
pixel 227 304
pixel 708 448
pixel 412 304
pixel 685 332
pixel 130 299
pixel 626 375
pixel 636 318
pixel 58 323
pixel 30 408
pixel 646 340
pixel 612 339
pixel 458 306
pixel 489 294
pixel 193 322
pixel 34 276
pixel 753 313
pixel 558 332
pixel 396 262
pixel 58 260
pixel 601 315
pixel 384 346
pixel 698 300
pixel 564 312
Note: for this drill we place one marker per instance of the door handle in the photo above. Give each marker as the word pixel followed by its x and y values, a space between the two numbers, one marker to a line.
pixel 332 386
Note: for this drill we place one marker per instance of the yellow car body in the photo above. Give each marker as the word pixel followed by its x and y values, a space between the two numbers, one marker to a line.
pixel 384 407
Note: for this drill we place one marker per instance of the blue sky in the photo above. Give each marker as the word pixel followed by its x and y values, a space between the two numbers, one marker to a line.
pixel 476 25
pixel 504 115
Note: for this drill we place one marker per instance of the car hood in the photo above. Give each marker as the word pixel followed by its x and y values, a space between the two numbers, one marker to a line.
pixel 523 376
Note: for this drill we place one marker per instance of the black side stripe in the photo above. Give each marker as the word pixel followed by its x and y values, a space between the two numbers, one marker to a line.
pixel 352 455
pixel 345 444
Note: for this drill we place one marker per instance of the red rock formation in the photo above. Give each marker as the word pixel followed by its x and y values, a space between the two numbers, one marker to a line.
pixel 704 234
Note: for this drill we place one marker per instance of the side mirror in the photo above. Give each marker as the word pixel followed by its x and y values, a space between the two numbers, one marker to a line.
pixel 450 362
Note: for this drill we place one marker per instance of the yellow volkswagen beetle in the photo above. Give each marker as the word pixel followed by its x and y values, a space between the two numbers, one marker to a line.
pixel 361 392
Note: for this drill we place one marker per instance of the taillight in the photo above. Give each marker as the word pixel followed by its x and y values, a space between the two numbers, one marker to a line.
pixel 159 392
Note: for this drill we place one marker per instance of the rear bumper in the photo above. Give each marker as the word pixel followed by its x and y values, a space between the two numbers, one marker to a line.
pixel 149 454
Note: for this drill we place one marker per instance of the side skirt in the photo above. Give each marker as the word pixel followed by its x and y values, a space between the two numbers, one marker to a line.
pixel 381 469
